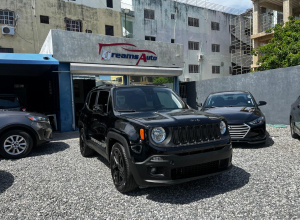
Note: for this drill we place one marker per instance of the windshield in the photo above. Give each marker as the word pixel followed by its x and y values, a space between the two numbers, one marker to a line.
pixel 230 100
pixel 146 99
pixel 9 102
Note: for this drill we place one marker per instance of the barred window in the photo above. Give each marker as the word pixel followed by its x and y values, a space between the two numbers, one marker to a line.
pixel 193 22
pixel 193 68
pixel 73 25
pixel 44 19
pixel 7 17
pixel 150 38
pixel 6 50
pixel 193 45
pixel 172 16
pixel 216 69
pixel 215 47
pixel 149 14
pixel 215 26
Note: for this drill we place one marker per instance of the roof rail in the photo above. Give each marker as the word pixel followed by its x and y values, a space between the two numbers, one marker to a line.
pixel 105 85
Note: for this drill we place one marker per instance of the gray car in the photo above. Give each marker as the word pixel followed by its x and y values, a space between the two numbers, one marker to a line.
pixel 21 131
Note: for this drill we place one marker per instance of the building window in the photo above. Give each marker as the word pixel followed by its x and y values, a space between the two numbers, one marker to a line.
pixel 6 50
pixel 73 25
pixel 150 38
pixel 215 47
pixel 193 22
pixel 109 3
pixel 172 41
pixel 44 19
pixel 88 31
pixel 263 10
pixel 193 45
pixel 230 70
pixel 149 14
pixel 216 69
pixel 193 68
pixel 7 17
pixel 215 26
pixel 172 16
pixel 109 30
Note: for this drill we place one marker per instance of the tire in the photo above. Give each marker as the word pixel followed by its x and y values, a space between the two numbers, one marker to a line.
pixel 15 144
pixel 119 162
pixel 85 150
pixel 292 127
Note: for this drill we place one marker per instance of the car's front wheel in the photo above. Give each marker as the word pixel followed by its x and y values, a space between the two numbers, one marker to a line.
pixel 119 165
pixel 292 127
pixel 15 144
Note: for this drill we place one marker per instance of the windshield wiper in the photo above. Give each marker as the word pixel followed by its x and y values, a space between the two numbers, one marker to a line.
pixel 126 110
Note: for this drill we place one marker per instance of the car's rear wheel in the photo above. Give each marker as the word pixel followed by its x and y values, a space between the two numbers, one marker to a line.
pixel 292 127
pixel 84 149
pixel 15 144
pixel 122 177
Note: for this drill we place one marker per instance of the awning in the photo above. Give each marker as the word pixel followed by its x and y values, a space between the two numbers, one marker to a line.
pixel 116 70
pixel 26 64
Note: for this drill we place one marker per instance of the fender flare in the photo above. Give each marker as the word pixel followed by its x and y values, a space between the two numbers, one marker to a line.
pixel 20 126
pixel 119 138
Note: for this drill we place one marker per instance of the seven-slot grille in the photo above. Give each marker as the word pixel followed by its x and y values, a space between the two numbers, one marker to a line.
pixel 195 134
pixel 238 131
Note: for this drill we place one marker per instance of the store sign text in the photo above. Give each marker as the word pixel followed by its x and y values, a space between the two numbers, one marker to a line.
pixel 107 55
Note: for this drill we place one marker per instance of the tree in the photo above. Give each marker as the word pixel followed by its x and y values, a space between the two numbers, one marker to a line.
pixel 283 50
pixel 162 80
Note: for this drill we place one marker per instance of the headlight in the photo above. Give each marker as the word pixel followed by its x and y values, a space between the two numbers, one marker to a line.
pixel 158 135
pixel 39 119
pixel 222 127
pixel 257 121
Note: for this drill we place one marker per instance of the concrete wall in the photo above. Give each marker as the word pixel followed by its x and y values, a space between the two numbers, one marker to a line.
pixel 98 3
pixel 279 88
pixel 30 33
pixel 162 27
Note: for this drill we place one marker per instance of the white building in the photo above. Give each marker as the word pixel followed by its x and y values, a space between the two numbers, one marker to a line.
pixel 204 32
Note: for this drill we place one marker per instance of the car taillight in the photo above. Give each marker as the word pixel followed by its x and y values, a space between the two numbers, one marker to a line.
pixel 24 109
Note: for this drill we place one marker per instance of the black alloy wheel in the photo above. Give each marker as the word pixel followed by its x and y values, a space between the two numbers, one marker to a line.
pixel 84 149
pixel 119 165
pixel 292 127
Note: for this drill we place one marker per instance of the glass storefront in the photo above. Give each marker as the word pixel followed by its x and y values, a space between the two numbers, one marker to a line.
pixel 145 80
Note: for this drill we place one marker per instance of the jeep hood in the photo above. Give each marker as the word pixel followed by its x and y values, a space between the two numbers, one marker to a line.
pixel 178 117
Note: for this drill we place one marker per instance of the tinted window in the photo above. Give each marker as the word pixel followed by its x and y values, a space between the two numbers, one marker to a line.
pixel 147 99
pixel 9 102
pixel 230 100
pixel 92 100
pixel 103 99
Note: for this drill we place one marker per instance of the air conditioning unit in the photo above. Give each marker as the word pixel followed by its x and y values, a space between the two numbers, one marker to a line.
pixel 201 57
pixel 187 79
pixel 8 30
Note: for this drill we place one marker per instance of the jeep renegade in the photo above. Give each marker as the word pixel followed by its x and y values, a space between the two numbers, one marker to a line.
pixel 151 137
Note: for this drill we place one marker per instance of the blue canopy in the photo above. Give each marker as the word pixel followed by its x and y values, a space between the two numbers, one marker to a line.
pixel 22 58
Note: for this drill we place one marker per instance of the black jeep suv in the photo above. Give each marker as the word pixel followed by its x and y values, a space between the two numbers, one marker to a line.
pixel 151 137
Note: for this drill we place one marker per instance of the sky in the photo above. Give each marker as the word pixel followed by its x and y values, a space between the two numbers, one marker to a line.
pixel 238 4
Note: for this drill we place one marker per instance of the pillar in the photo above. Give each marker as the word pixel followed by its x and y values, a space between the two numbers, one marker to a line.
pixel 256 17
pixel 287 10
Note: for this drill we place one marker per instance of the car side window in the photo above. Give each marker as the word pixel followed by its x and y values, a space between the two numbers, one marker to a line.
pixel 92 102
pixel 103 100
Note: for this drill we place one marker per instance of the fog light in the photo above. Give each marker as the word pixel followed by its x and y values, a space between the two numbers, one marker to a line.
pixel 157 159
pixel 153 170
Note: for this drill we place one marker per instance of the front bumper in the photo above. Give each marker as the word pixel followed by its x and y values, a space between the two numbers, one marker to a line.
pixel 175 169
pixel 44 131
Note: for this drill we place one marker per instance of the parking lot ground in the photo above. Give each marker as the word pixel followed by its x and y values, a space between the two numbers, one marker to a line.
pixel 56 182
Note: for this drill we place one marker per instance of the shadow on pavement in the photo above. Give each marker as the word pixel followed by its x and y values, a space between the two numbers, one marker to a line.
pixel 49 148
pixel 6 181
pixel 57 136
pixel 197 190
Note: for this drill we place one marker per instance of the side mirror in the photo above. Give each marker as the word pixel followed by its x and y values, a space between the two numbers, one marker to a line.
pixel 199 105
pixel 98 108
pixel 261 103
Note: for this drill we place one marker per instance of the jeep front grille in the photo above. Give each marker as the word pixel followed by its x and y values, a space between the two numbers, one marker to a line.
pixel 195 134
pixel 238 131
